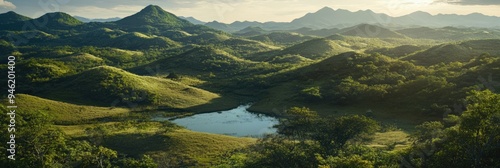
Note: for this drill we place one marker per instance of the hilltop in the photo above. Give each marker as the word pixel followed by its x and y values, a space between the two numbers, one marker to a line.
pixel 58 20
pixel 109 86
pixel 316 48
pixel 66 113
pixel 153 15
pixel 12 17
pixel 451 52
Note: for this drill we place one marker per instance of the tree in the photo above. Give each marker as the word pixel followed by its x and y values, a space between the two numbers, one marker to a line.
pixel 37 141
pixel 473 142
pixel 333 134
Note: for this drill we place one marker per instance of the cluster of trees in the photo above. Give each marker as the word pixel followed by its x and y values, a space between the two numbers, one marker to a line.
pixel 469 140
pixel 40 144
pixel 308 140
pixel 350 79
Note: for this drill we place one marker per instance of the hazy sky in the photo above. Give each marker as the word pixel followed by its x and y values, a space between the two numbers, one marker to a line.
pixel 251 10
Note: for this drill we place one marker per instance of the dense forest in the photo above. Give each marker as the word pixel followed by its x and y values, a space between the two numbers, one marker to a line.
pixel 87 93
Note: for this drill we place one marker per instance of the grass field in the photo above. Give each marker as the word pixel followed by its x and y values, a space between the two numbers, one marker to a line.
pixel 175 147
pixel 65 112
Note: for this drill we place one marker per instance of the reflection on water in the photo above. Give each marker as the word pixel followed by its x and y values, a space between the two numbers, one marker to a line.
pixel 235 122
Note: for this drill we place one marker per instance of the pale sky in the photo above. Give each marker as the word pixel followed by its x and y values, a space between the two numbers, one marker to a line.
pixel 240 10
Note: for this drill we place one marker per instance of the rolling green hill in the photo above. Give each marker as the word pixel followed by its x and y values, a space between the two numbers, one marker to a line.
pixel 206 38
pixel 82 61
pixel 118 39
pixel 202 61
pixel 109 86
pixel 250 31
pixel 461 52
pixel 396 52
pixel 450 33
pixel 65 112
pixel 348 80
pixel 243 47
pixel 281 38
pixel 370 31
pixel 315 49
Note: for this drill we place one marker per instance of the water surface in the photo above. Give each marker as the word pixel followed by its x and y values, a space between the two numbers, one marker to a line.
pixel 236 122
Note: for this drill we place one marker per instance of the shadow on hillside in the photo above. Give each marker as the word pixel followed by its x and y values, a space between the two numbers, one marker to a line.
pixel 137 144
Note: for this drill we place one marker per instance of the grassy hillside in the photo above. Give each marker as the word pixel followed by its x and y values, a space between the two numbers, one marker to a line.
pixel 396 52
pixel 65 112
pixel 205 62
pixel 370 31
pixel 206 38
pixel 12 17
pixel 118 39
pixel 109 86
pixel 282 38
pixel 243 47
pixel 450 33
pixel 461 52
pixel 177 147
pixel 397 89
pixel 315 49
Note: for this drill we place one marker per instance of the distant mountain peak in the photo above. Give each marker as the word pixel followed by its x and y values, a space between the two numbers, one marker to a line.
pixel 152 9
pixel 153 15
pixel 420 13
pixel 57 19
pixel 326 9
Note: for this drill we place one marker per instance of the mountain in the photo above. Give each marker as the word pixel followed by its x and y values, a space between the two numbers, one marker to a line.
pixel 370 31
pixel 441 20
pixel 193 20
pixel 58 20
pixel 329 18
pixel 153 15
pixel 221 26
pixel 86 20
pixel 250 31
pixel 12 17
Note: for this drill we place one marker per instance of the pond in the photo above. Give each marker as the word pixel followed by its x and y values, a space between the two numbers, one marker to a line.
pixel 236 122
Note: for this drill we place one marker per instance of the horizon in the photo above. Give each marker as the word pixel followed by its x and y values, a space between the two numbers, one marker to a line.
pixel 239 11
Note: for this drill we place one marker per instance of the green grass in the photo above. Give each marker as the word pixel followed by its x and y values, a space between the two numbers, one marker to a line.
pixel 107 86
pixel 316 48
pixel 399 139
pixel 65 112
pixel 193 148
pixel 451 52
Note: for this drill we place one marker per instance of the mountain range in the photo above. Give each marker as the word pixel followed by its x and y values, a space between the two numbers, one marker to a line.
pixel 327 18
pixel 86 20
